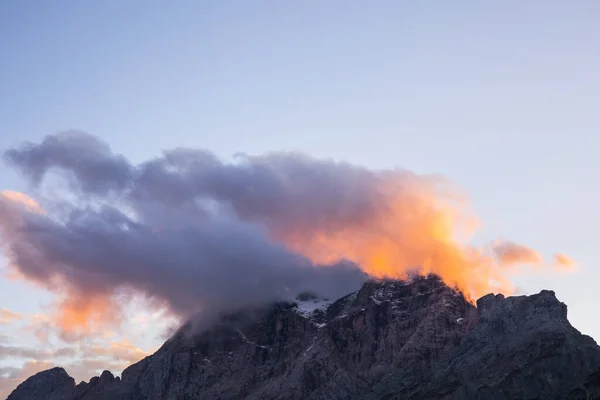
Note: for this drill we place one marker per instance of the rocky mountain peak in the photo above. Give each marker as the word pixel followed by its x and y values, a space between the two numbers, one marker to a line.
pixel 391 339
pixel 52 384
pixel 542 306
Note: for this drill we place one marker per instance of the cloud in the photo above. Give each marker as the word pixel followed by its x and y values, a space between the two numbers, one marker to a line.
pixel 39 326
pixel 121 350
pixel 195 234
pixel 87 158
pixel 178 255
pixel 35 353
pixel 8 316
pixel 221 263
pixel 511 253
pixel 22 199
pixel 562 262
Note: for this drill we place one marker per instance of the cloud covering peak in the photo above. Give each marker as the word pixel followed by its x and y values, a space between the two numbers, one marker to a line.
pixel 194 233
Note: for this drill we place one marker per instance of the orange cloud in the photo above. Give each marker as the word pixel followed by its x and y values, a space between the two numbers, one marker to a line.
pixel 510 253
pixel 562 262
pixel 80 314
pixel 23 200
pixel 7 316
pixel 423 228
pixel 122 350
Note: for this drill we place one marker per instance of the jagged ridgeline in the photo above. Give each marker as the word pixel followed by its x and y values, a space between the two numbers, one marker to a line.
pixel 390 340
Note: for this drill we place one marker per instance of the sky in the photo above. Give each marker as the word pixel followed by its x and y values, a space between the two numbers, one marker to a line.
pixel 499 97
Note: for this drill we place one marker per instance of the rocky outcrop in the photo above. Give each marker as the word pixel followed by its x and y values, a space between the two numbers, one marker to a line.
pixel 520 348
pixel 390 340
pixel 99 388
pixel 52 384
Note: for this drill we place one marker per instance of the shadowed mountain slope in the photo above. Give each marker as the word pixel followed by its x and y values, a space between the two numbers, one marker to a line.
pixel 416 339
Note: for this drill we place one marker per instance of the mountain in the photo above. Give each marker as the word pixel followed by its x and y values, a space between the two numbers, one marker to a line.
pixel 416 339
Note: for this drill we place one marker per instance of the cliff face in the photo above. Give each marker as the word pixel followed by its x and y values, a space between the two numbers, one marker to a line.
pixel 52 384
pixel 519 348
pixel 390 340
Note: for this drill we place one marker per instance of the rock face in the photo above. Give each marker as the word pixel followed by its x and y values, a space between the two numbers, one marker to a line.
pixel 52 384
pixel 390 340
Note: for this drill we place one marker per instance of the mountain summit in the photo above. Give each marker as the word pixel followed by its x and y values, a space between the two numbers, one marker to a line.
pixel 416 339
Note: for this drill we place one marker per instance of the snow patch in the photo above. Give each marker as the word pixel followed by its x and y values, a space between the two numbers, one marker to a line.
pixel 308 307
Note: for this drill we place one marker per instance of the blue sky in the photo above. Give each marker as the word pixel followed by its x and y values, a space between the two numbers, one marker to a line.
pixel 500 97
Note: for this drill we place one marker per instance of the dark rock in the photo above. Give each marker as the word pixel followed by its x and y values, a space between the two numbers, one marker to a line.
pixel 52 384
pixel 389 340
pixel 521 348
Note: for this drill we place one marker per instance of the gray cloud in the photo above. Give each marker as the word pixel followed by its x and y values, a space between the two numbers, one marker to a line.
pixel 90 161
pixel 36 354
pixel 280 189
pixel 190 231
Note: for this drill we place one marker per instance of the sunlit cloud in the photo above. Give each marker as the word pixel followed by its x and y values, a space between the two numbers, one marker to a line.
pixel 7 316
pixel 196 235
pixel 120 350
pixel 511 253
pixel 562 262
pixel 23 200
